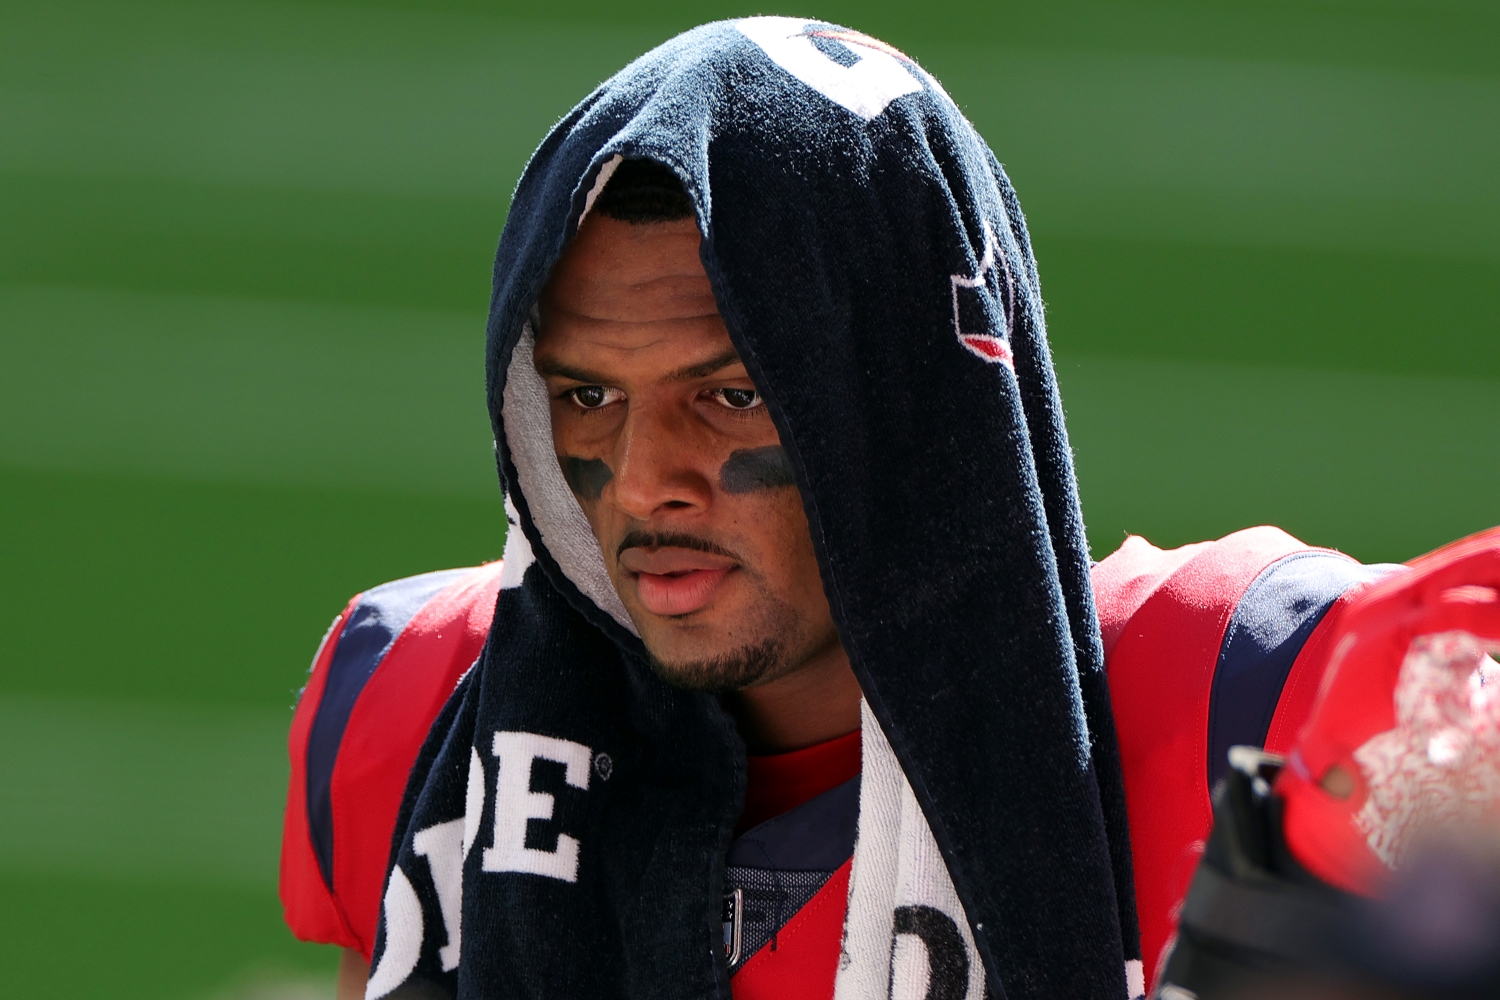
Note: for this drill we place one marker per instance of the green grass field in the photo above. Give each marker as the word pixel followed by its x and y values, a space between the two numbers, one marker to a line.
pixel 244 263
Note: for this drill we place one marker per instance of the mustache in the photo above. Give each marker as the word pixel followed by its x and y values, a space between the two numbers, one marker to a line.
pixel 638 539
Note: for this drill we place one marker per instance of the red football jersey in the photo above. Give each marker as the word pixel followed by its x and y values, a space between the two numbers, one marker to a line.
pixel 382 674
pixel 1207 646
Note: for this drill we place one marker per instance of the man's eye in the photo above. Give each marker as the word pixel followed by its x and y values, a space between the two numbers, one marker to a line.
pixel 592 397
pixel 738 399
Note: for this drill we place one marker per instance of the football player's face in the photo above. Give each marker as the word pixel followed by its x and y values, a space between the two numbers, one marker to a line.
pixel 670 451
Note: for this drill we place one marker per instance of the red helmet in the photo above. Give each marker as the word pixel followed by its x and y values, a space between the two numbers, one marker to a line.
pixel 1405 733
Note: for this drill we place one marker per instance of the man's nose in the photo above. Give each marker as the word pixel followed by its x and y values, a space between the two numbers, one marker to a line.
pixel 657 466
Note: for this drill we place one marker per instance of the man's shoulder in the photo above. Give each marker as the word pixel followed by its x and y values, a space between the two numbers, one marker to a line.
pixel 382 674
pixel 1140 577
pixel 1207 646
pixel 1219 626
pixel 393 643
pixel 379 621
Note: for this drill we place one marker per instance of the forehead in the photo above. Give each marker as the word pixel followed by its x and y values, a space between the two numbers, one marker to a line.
pixel 617 270
pixel 625 290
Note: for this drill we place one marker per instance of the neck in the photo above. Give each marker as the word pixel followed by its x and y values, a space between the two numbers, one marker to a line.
pixel 812 703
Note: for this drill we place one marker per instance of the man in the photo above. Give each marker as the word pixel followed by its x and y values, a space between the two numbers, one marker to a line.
pixel 791 680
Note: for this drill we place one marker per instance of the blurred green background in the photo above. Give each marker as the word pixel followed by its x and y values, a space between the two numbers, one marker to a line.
pixel 244 264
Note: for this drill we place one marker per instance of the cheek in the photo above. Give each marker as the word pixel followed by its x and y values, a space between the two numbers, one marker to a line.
pixel 752 470
pixel 783 550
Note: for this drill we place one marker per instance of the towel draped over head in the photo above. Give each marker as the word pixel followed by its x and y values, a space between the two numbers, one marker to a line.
pixel 565 828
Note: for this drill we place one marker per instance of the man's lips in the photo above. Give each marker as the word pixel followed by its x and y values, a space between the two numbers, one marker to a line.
pixel 673 581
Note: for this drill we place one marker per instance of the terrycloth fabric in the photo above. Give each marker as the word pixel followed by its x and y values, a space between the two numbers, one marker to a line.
pixel 900 888
pixel 565 829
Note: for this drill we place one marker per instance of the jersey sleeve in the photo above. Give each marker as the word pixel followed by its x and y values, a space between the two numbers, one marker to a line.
pixel 1207 646
pixel 381 675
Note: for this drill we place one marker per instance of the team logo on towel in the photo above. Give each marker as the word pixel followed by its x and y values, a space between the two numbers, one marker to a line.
pixel 983 302
pixel 862 74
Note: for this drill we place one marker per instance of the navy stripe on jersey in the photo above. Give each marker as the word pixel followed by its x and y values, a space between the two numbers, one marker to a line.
pixel 818 835
pixel 377 619
pixel 1269 627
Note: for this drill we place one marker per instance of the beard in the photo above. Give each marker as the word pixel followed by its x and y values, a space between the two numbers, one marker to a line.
pixel 785 640
pixel 726 672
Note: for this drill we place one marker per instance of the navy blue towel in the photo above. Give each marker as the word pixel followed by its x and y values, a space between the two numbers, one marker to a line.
pixel 871 262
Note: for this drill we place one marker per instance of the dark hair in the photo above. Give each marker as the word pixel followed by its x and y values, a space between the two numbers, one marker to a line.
pixel 642 191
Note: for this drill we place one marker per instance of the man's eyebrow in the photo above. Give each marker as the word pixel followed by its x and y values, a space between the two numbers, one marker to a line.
pixel 703 369
pixel 552 368
pixel 548 368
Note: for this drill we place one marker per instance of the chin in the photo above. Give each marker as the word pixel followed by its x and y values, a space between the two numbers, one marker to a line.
pixel 724 671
